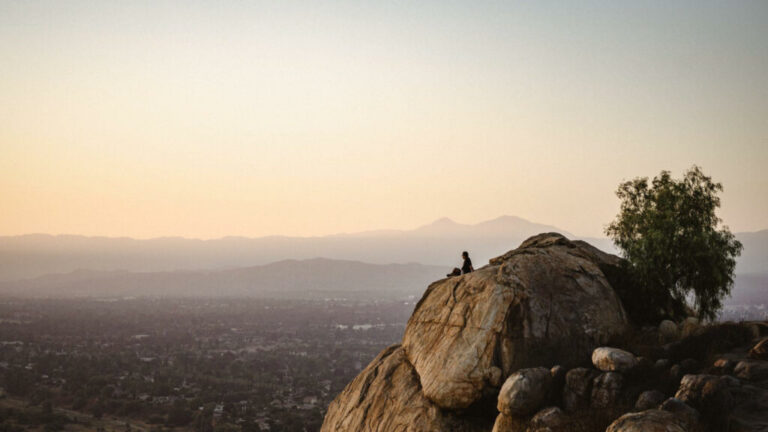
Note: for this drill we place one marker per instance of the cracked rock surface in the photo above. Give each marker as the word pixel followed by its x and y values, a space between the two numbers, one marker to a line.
pixel 546 299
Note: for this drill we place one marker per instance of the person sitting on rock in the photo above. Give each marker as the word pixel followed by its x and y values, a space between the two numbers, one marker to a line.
pixel 456 272
pixel 467 266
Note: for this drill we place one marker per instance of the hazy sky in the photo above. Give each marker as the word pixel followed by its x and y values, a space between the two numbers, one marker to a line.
pixel 206 119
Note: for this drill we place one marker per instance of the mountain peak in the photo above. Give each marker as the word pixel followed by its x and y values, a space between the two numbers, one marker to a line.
pixel 444 221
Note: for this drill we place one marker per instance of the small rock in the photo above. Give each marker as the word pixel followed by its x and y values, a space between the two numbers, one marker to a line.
pixel 548 419
pixel 709 395
pixel 760 350
pixel 688 417
pixel 558 382
pixel 525 391
pixel 668 331
pixel 730 381
pixel 644 364
pixel 689 365
pixel 649 399
pixel 557 372
pixel 578 388
pixel 613 360
pixel 493 376
pixel 661 364
pixel 676 372
pixel 648 421
pixel 752 370
pixel 605 389
pixel 689 326
pixel 724 365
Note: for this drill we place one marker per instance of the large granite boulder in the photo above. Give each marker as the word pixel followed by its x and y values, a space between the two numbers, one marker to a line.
pixel 386 396
pixel 544 302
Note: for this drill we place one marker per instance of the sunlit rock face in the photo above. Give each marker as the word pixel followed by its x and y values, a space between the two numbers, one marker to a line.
pixel 545 302
pixel 386 396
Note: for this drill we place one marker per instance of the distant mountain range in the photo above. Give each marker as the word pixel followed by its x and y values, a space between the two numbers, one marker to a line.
pixel 310 279
pixel 79 265
pixel 438 243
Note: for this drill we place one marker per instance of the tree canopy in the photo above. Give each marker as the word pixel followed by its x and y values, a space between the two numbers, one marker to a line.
pixel 677 250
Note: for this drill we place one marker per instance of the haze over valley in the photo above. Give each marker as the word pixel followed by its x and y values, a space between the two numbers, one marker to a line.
pixel 383 264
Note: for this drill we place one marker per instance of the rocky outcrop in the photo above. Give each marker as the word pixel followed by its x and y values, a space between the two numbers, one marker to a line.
pixel 548 303
pixel 544 303
pixel 546 300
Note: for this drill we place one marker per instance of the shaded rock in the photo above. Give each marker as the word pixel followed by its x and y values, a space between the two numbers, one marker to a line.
pixel 525 391
pixel 578 388
pixel 687 416
pixel 386 396
pixel 558 373
pixel 505 423
pixel 730 381
pixel 493 376
pixel 544 301
pixel 644 365
pixel 760 350
pixel 752 370
pixel 689 365
pixel 649 399
pixel 710 395
pixel 606 389
pixel 558 381
pixel 724 365
pixel 750 412
pixel 689 326
pixel 676 372
pixel 653 420
pixel 668 331
pixel 613 359
pixel 548 420
pixel 661 364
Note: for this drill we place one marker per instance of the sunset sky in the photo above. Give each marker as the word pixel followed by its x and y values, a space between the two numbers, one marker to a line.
pixel 207 119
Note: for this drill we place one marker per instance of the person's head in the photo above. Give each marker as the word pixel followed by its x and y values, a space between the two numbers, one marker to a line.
pixel 465 254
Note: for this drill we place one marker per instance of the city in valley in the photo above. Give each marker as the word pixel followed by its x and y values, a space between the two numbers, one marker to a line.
pixel 184 364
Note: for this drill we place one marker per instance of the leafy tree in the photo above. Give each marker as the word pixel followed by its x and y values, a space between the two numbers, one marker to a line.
pixel 669 233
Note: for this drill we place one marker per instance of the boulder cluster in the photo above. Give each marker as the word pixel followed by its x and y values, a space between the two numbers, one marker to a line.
pixel 538 340
pixel 729 395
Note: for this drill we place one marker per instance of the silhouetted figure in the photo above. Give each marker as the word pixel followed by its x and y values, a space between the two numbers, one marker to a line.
pixel 467 266
pixel 456 272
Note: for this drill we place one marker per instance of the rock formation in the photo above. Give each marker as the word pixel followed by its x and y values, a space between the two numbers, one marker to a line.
pixel 543 303
pixel 521 344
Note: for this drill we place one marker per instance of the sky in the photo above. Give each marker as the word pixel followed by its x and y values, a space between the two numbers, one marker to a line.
pixel 208 119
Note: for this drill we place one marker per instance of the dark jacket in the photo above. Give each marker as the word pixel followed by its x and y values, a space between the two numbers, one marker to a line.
pixel 467 266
